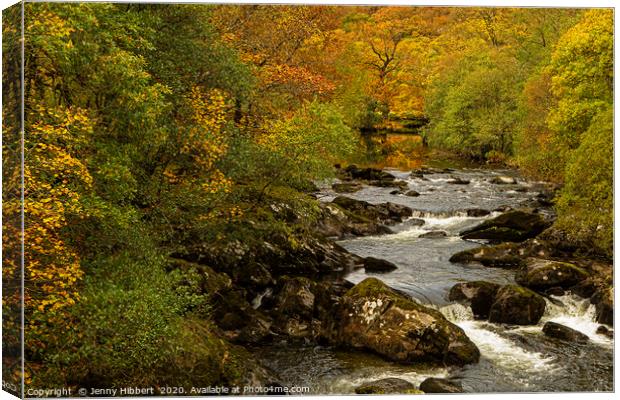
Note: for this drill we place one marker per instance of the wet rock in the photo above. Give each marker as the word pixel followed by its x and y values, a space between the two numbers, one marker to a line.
pixel 386 386
pixel 340 223
pixel 374 317
pixel 296 297
pixel 505 255
pixel 239 320
pixel 372 264
pixel 458 181
pixel 539 274
pixel 412 193
pixel 389 183
pixel 434 234
pixel 396 192
pixel 555 291
pixel 558 331
pixel 368 174
pixel 513 226
pixel 503 180
pixel 388 213
pixel 439 385
pixel 346 187
pixel 603 299
pixel 517 305
pixel 603 330
pixel 477 212
pixel 478 294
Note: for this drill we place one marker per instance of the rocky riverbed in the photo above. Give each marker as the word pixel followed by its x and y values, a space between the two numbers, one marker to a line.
pixel 432 280
pixel 468 263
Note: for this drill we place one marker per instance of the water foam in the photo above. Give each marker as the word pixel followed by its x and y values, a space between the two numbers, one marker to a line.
pixel 576 313
pixel 496 348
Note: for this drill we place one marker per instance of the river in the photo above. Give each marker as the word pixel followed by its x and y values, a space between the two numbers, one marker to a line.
pixel 513 359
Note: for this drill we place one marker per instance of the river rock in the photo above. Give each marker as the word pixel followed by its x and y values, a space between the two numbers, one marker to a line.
pixel 477 212
pixel 375 317
pixel 458 181
pixel 389 183
pixel 340 223
pixel 372 264
pixel 396 192
pixel 388 213
pixel 434 234
pixel 296 297
pixel 479 294
pixel 346 187
pixel 517 305
pixel 439 385
pixel 603 299
pixel 603 330
pixel 555 330
pixel 539 274
pixel 386 386
pixel 513 226
pixel 505 255
pixel 503 180
pixel 368 174
pixel 412 193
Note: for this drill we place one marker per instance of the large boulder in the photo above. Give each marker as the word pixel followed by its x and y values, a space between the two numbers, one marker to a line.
pixel 512 226
pixel 387 386
pixel 478 294
pixel 555 330
pixel 372 264
pixel 440 385
pixel 539 274
pixel 517 305
pixel 374 317
pixel 505 255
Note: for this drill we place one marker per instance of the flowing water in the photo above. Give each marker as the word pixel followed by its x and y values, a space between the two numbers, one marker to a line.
pixel 513 359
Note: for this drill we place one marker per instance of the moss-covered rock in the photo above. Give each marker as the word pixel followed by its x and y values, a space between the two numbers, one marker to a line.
pixel 386 386
pixel 478 294
pixel 512 226
pixel 517 305
pixel 540 274
pixel 505 255
pixel 374 317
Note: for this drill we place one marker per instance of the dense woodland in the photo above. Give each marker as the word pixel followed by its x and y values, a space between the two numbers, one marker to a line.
pixel 154 128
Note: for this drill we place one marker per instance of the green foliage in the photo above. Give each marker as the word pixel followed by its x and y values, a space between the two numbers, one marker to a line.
pixel 473 109
pixel 297 150
pixel 582 75
pixel 585 205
